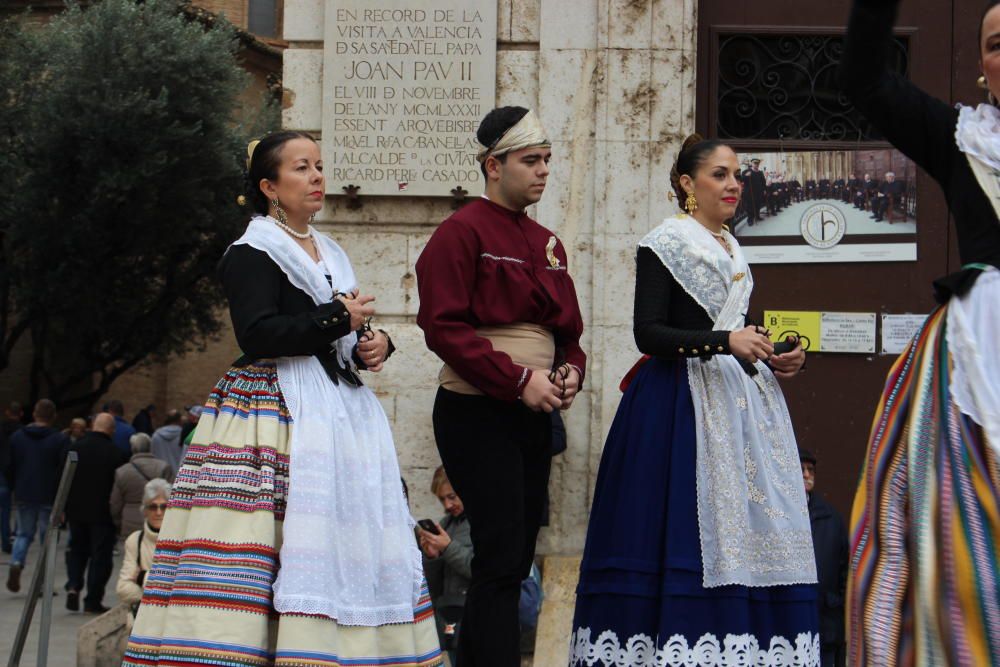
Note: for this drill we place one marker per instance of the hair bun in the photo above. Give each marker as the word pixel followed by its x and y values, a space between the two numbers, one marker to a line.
pixel 691 140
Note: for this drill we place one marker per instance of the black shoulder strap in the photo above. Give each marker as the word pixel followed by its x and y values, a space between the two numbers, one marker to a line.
pixel 138 548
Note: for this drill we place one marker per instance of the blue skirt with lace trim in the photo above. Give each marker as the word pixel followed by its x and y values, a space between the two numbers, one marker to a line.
pixel 640 600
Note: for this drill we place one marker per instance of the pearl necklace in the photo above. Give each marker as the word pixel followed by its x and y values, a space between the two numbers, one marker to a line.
pixel 286 228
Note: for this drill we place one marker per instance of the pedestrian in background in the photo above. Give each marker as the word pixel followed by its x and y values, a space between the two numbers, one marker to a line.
pixel 447 562
pixel 92 533
pixel 829 534
pixel 35 455
pixel 143 420
pixel 140 544
pixel 123 430
pixel 167 444
pixel 130 480
pixel 11 422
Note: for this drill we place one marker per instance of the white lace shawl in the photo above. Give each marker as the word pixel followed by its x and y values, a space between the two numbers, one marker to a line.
pixel 752 514
pixel 974 318
pixel 348 551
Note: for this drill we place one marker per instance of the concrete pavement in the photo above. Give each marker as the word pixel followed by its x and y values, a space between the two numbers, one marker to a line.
pixel 62 643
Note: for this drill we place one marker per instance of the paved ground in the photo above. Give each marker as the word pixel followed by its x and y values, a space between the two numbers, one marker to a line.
pixel 62 645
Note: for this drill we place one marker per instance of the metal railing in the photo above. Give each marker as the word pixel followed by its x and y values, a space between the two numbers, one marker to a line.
pixel 44 576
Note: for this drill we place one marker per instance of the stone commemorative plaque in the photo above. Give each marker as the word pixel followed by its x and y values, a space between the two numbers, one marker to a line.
pixel 405 84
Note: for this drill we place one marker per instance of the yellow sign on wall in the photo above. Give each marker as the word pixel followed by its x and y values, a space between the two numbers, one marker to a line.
pixel 802 323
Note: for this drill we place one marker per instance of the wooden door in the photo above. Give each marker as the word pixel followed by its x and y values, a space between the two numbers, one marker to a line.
pixel 833 402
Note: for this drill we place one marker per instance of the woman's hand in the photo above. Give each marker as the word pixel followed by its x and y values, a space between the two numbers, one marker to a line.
pixel 373 346
pixel 358 308
pixel 433 545
pixel 751 344
pixel 790 363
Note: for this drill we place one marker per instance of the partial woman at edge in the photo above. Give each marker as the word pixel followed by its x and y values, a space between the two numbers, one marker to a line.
pixel 925 527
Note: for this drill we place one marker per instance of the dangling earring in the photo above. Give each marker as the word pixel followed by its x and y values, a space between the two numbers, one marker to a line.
pixel 282 218
pixel 312 219
pixel 985 85
pixel 691 203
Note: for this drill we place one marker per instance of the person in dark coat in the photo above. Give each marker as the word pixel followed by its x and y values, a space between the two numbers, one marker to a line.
pixel 889 193
pixel 35 456
pixel 11 421
pixel 123 430
pixel 143 421
pixel 92 532
pixel 755 193
pixel 823 188
pixel 830 546
pixel 853 185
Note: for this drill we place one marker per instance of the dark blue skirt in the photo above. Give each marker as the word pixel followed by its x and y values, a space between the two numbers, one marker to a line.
pixel 640 600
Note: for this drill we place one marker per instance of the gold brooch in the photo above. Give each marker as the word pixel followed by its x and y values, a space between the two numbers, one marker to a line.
pixel 739 276
pixel 550 253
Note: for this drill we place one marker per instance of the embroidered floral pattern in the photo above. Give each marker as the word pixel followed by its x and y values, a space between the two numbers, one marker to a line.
pixel 734 650
pixel 751 518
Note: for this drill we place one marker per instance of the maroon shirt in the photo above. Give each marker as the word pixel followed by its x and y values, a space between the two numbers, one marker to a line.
pixel 485 266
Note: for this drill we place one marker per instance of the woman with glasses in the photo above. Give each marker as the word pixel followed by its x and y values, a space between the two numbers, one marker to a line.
pixel 139 546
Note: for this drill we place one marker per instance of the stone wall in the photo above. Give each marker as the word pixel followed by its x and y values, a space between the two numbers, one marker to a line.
pixel 613 82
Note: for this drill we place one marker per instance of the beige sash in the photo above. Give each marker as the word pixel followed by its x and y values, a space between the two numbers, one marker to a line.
pixel 529 345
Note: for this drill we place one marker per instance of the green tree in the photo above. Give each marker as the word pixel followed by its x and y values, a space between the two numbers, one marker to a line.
pixel 127 139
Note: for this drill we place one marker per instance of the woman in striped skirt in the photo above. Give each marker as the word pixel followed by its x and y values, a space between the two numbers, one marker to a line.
pixel 924 585
pixel 287 540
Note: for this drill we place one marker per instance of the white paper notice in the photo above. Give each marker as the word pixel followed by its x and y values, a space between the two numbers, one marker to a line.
pixel 898 330
pixel 847 332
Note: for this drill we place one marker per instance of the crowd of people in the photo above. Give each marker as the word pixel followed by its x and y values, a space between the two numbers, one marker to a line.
pixel 707 541
pixel 108 499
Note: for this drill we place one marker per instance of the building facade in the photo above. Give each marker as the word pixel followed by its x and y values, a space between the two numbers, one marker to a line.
pixel 618 84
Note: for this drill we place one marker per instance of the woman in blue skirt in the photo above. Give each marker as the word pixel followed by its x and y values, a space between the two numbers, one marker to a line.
pixel 699 549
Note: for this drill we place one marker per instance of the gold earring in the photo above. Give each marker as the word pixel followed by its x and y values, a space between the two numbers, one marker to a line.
pixel 282 218
pixel 982 83
pixel 691 203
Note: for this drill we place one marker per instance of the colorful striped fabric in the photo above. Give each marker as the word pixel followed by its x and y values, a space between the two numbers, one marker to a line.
pixel 208 596
pixel 923 586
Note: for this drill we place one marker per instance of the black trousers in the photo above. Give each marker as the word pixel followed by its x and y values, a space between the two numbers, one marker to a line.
pixel 90 551
pixel 497 456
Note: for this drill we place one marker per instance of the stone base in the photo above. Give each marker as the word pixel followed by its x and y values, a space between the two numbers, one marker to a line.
pixel 101 642
pixel 555 624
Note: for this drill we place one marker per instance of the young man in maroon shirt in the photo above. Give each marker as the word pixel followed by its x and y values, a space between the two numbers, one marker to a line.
pixel 498 306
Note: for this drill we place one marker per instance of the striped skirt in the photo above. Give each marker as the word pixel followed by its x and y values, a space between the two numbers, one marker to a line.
pixel 208 596
pixel 923 586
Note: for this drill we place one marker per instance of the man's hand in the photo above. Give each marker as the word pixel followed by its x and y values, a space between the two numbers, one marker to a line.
pixel 569 385
pixel 540 394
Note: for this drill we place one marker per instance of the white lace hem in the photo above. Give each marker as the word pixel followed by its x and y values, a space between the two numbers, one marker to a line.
pixel 641 651
pixel 344 615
